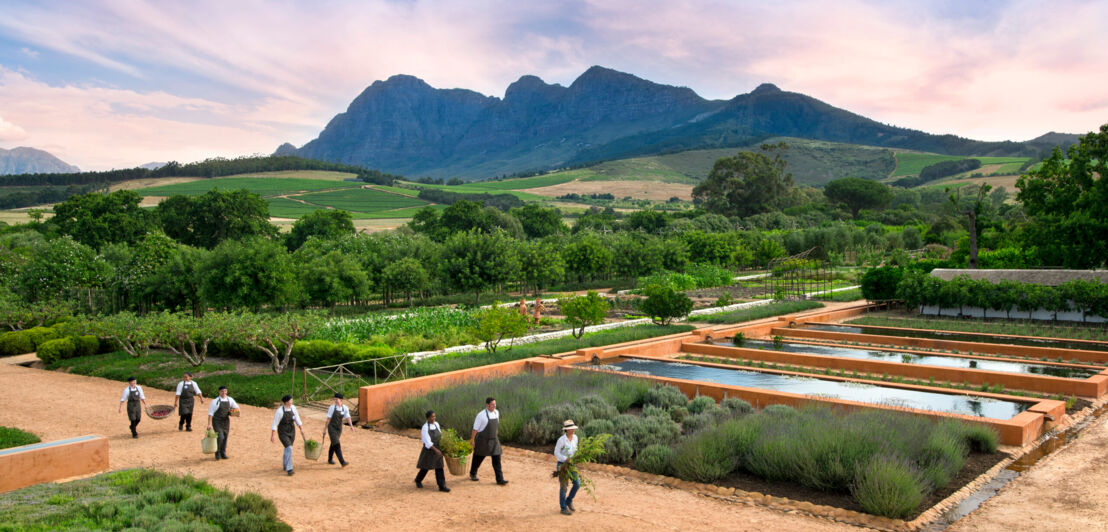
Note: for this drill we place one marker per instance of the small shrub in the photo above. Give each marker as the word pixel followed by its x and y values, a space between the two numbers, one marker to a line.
pixel 52 351
pixel 664 396
pixel 617 450
pixel 598 426
pixel 702 458
pixel 654 411
pixel 779 410
pixel 86 345
pixel 654 459
pixel 889 486
pixel 778 342
pixel 696 423
pixel 38 335
pixel 739 339
pixel 736 406
pixel 678 413
pixel 700 404
pixel 15 343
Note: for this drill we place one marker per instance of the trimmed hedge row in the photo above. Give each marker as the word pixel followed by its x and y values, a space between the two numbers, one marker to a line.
pixel 71 346
pixel 26 341
pixel 1089 297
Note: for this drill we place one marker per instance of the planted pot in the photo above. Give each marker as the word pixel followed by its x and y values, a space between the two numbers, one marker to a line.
pixel 457 466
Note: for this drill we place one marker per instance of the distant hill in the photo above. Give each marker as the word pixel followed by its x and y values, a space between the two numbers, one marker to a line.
pixel 32 161
pixel 403 125
pixel 152 165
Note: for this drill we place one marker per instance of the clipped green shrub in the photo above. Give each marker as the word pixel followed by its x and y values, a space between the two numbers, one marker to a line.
pixel 678 413
pixel 52 351
pixel 702 458
pixel 654 411
pixel 665 396
pixel 736 406
pixel 696 422
pixel 39 335
pixel 86 345
pixel 701 403
pixel 889 486
pixel 15 343
pixel 617 450
pixel 598 426
pixel 654 459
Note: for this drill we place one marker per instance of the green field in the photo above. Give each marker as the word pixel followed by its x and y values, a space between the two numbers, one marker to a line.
pixel 264 186
pixel 361 200
pixel 912 163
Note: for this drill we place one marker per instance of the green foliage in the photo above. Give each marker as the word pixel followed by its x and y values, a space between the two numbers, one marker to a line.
pixel 655 459
pixel 248 274
pixel 15 343
pixel 889 486
pixel 858 194
pixel 476 261
pixel 311 444
pixel 702 458
pixel 701 403
pixel 918 288
pixel 663 304
pixel 332 278
pixel 776 308
pixel 214 217
pixel 426 322
pixel 598 426
pixel 584 311
pixel 453 446
pixel 586 257
pixel 746 184
pixel 736 406
pixel 99 219
pixel 540 222
pixel 51 351
pixel 496 323
pixel 13 437
pixel 880 284
pixel 617 450
pixel 58 267
pixel 678 413
pixel 665 396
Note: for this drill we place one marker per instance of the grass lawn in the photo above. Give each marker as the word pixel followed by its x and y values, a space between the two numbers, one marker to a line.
pixel 13 437
pixel 1016 327
pixel 264 186
pixel 136 499
pixel 756 313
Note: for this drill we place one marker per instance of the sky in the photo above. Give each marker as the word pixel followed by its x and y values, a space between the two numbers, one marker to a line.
pixel 117 83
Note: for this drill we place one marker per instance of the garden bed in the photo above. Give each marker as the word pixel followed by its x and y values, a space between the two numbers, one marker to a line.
pixel 912 320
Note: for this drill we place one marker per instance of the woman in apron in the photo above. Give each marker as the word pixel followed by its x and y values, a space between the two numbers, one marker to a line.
pixel 285 422
pixel 336 416
pixel 186 390
pixel 132 395
pixel 486 441
pixel 430 456
pixel 219 417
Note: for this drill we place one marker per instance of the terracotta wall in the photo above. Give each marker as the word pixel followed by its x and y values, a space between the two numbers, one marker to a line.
pixel 50 461
pixel 1092 387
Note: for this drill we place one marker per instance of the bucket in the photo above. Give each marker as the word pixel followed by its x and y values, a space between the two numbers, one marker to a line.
pixel 456 466
pixel 208 445
pixel 312 453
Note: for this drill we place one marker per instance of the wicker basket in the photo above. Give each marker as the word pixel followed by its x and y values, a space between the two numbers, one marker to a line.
pixel 457 466
pixel 209 445
pixel 312 453
pixel 160 411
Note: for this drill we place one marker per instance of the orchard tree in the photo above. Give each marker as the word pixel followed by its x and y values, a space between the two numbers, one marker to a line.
pixel 248 274
pixel 332 278
pixel 664 304
pixel 218 215
pixel 274 335
pixel 540 264
pixel 328 224
pixel 538 221
pixel 857 194
pixel 587 256
pixel 583 311
pixel 98 219
pixel 187 336
pixel 405 276
pixel 973 209
pixel 62 268
pixel 746 184
pixel 175 284
pixel 496 323
pixel 477 262
pixel 133 334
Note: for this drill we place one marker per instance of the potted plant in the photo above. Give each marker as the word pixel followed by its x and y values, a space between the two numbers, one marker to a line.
pixel 312 449
pixel 208 444
pixel 454 450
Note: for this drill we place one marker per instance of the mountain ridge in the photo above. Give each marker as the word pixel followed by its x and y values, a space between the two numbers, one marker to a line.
pixel 25 160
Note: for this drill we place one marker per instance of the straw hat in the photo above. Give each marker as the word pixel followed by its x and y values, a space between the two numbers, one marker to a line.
pixel 569 425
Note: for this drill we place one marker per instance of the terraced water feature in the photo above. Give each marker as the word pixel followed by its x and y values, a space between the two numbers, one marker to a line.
pixel 1026 368
pixel 958 336
pixel 851 391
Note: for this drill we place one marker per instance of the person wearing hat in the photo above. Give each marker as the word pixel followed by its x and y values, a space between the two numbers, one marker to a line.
pixel 132 395
pixel 186 390
pixel 285 421
pixel 337 414
pixel 564 449
pixel 486 441
pixel 219 416
pixel 430 456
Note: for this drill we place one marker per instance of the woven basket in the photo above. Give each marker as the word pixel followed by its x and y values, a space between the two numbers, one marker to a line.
pixel 456 466
pixel 208 445
pixel 313 453
pixel 160 411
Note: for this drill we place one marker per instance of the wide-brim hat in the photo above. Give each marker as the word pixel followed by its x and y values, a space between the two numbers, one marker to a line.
pixel 569 425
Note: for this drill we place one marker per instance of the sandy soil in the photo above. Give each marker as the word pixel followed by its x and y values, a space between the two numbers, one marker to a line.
pixel 651 190
pixel 135 184
pixel 376 490
pixel 1063 493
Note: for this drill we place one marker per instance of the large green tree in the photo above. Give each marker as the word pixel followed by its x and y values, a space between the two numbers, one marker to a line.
pixel 215 216
pixel 331 278
pixel 1066 198
pixel 538 221
pixel 746 184
pixel 857 194
pixel 328 224
pixel 477 262
pixel 248 274
pixel 98 219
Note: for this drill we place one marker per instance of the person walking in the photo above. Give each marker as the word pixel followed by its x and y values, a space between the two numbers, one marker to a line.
pixel 564 449
pixel 285 422
pixel 186 390
pixel 486 441
pixel 430 456
pixel 219 416
pixel 337 414
pixel 133 395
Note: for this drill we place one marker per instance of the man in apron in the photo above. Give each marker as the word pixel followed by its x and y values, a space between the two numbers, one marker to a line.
pixel 285 421
pixel 219 417
pixel 186 390
pixel 337 414
pixel 132 395
pixel 486 442
pixel 430 456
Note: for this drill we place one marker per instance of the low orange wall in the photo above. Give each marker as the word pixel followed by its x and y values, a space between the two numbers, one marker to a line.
pixel 764 326
pixel 1092 387
pixel 975 347
pixel 49 461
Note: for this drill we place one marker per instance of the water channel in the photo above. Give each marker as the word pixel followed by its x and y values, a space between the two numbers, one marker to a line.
pixel 961 337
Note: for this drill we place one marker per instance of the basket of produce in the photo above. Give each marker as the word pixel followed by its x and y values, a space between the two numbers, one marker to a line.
pixel 159 411
pixel 455 451
pixel 235 412
pixel 208 443
pixel 312 449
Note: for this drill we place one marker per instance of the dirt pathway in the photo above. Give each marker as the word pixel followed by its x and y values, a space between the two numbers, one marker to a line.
pixel 376 490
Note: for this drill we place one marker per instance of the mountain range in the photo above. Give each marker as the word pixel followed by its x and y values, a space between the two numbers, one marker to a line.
pixel 32 161
pixel 403 125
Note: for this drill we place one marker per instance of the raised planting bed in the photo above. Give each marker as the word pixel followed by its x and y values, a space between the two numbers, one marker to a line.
pixel 900 319
pixel 938 334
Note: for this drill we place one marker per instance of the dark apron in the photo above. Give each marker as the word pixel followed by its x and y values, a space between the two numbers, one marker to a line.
pixel 427 458
pixel 221 419
pixel 487 443
pixel 286 429
pixel 334 425
pixel 134 407
pixel 186 401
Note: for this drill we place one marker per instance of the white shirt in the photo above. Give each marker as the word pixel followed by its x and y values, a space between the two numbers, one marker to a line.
pixel 345 412
pixel 482 421
pixel 425 434
pixel 127 393
pixel 195 387
pixel 214 404
pixel 565 448
pixel 280 414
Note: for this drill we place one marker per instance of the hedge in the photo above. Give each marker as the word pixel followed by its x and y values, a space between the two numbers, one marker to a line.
pixel 54 350
pixel 917 288
pixel 15 343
